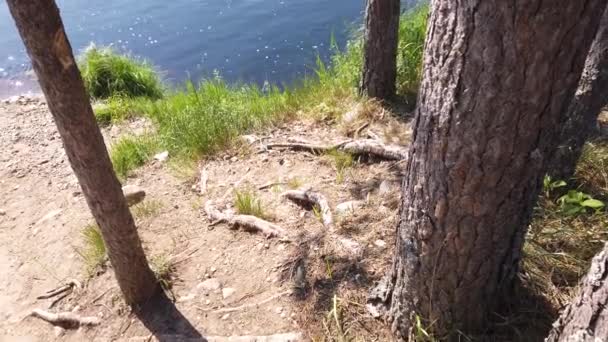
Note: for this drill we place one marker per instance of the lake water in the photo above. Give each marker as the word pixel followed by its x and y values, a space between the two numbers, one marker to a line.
pixel 245 40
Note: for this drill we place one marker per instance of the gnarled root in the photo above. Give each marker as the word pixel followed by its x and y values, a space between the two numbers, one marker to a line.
pixel 365 147
pixel 65 319
pixel 309 197
pixel 247 222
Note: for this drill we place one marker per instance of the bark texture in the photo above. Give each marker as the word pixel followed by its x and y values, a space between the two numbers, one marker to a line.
pixel 380 48
pixel 581 116
pixel 497 77
pixel 586 318
pixel 41 29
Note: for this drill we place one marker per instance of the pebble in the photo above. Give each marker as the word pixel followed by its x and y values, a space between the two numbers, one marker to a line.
pixel 162 156
pixel 2 212
pixel 189 297
pixel 225 317
pixel 380 243
pixel 348 207
pixel 211 284
pixel 227 292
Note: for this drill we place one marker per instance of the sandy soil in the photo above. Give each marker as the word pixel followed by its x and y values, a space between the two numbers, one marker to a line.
pixel 42 214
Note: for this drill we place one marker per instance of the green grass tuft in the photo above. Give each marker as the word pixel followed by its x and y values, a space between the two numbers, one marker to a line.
pixel 164 270
pixel 130 152
pixel 94 250
pixel 147 208
pixel 247 203
pixel 106 73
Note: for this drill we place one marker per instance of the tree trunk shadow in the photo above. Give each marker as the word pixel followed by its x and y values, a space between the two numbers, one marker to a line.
pixel 160 315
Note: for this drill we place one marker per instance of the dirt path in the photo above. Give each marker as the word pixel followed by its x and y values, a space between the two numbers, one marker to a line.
pixel 43 213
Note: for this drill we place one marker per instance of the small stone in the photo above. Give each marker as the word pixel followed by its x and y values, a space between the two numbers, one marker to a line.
pixel 227 292
pixel 207 302
pixel 387 187
pixel 283 315
pixel 161 157
pixel 58 331
pixel 211 284
pixel 234 159
pixel 187 298
pixel 380 243
pixel 133 194
pixel 212 270
pixel 266 245
pixel 2 212
pixel 278 310
pixel 348 207
pixel 225 317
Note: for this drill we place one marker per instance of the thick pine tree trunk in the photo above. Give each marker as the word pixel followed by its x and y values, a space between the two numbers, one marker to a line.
pixel 497 77
pixel 591 96
pixel 380 48
pixel 586 318
pixel 42 31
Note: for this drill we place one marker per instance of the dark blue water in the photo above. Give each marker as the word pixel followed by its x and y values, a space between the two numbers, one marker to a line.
pixel 244 40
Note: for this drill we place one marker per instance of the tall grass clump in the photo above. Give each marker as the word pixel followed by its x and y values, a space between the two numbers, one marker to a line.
pixel 346 65
pixel 119 108
pixel 130 152
pixel 197 121
pixel 106 73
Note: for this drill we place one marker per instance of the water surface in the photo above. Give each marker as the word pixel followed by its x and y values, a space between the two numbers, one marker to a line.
pixel 244 40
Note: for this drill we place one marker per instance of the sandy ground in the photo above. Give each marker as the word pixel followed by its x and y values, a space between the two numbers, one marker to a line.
pixel 219 274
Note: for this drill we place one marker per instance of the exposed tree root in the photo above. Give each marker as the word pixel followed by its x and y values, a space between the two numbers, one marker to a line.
pixel 72 283
pixel 65 319
pixel 366 147
pixel 247 222
pixel 309 197
pixel 282 337
pixel 247 306
pixel 306 196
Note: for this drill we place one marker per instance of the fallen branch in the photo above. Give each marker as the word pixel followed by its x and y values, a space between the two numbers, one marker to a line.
pixel 247 306
pixel 72 283
pixel 368 147
pixel 65 319
pixel 270 185
pixel 312 198
pixel 248 222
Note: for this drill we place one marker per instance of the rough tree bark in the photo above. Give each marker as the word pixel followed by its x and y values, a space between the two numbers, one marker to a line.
pixel 42 31
pixel 586 318
pixel 591 96
pixel 380 48
pixel 497 77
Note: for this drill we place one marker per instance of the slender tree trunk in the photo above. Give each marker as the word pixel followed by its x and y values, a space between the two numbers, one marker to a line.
pixel 590 98
pixel 497 77
pixel 380 48
pixel 586 318
pixel 42 31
